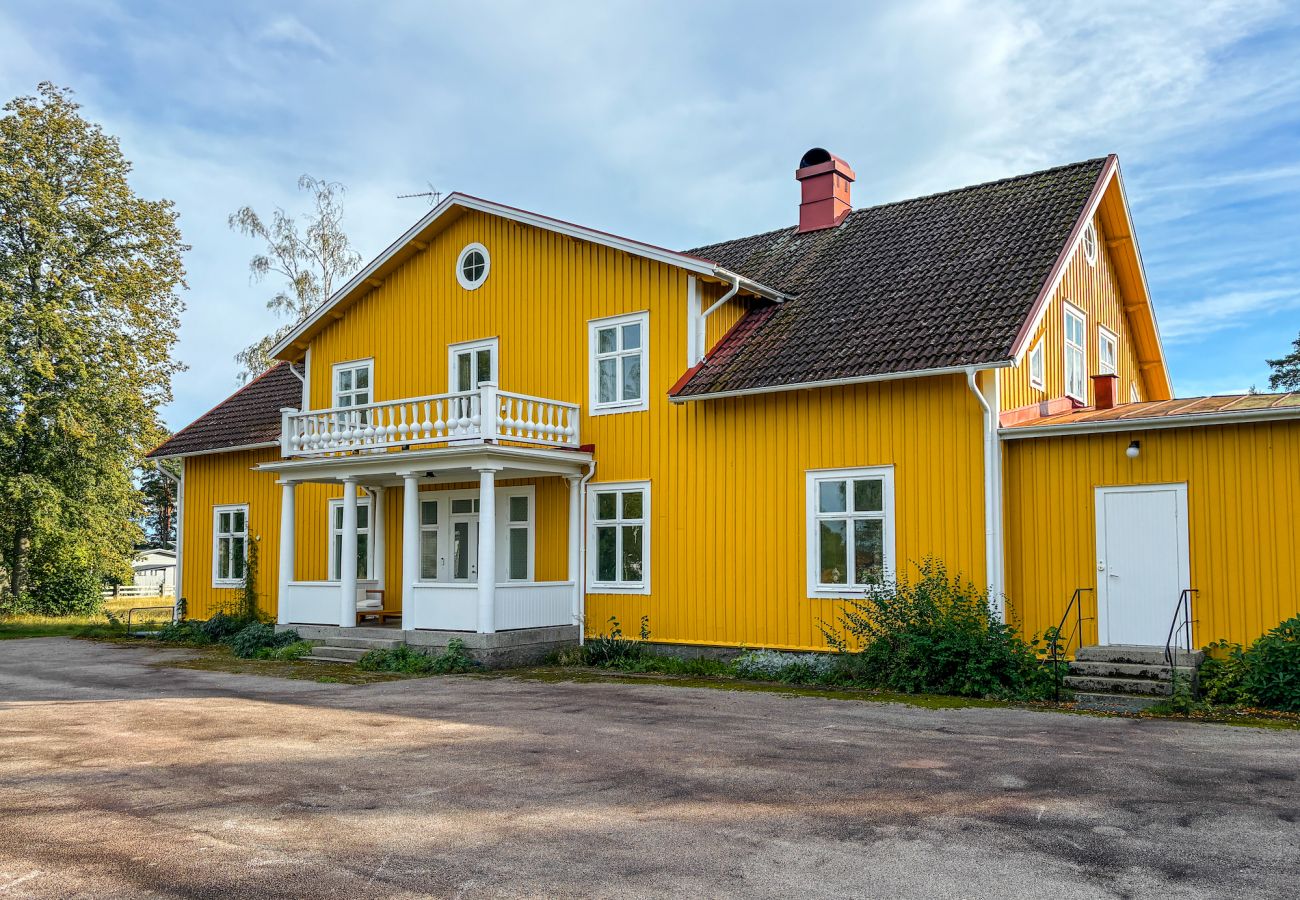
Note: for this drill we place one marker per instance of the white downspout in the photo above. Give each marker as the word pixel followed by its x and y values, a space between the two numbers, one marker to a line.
pixel 701 335
pixel 992 496
pixel 180 524
pixel 581 574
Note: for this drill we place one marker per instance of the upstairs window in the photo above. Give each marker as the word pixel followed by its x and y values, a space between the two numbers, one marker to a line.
pixel 229 544
pixel 472 266
pixel 619 537
pixel 336 539
pixel 850 529
pixel 1107 351
pixel 1089 241
pixel 1076 360
pixel 352 382
pixel 618 375
pixel 1036 373
pixel 472 363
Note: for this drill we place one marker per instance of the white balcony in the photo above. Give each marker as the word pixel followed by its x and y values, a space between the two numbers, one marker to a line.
pixel 486 415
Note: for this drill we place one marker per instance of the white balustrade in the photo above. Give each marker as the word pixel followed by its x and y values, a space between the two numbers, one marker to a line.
pixel 482 415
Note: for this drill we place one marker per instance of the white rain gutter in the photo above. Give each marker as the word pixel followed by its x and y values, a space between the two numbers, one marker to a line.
pixel 702 324
pixel 180 521
pixel 581 574
pixel 992 495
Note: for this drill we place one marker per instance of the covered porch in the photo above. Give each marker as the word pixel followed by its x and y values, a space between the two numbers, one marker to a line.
pixel 467 544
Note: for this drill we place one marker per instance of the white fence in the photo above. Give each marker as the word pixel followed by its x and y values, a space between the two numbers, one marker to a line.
pixel 133 591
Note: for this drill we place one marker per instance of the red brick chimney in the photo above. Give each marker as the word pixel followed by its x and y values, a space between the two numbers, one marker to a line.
pixel 1105 391
pixel 824 179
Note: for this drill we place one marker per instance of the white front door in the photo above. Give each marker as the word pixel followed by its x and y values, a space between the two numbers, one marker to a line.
pixel 1142 561
pixel 464 539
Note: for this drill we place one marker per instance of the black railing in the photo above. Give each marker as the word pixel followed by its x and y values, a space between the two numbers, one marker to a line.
pixel 131 621
pixel 1181 625
pixel 1058 643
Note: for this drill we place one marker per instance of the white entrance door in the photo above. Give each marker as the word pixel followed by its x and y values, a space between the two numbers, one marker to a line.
pixel 1142 561
pixel 464 539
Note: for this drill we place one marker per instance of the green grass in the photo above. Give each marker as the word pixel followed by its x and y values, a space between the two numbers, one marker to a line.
pixel 29 626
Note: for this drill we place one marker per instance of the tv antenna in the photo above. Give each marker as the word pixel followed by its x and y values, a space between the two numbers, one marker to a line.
pixel 433 195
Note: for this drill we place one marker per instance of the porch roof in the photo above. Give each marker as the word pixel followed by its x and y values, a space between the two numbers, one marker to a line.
pixel 440 465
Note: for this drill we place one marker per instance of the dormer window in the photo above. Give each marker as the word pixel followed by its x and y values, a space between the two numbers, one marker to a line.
pixel 472 266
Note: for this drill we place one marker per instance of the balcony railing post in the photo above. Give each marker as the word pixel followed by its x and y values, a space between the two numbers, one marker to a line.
pixel 488 411
pixel 286 423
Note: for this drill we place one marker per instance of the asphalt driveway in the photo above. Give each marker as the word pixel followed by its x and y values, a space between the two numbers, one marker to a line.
pixel 118 778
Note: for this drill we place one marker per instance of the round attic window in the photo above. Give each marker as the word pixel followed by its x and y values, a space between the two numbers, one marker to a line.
pixel 1090 243
pixel 472 266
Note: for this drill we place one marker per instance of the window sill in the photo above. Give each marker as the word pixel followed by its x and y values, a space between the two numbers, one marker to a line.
pixel 610 409
pixel 598 588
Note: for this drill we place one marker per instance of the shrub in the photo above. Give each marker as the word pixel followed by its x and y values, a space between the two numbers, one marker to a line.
pixel 408 661
pixel 612 650
pixel 250 641
pixel 186 631
pixel 792 668
pixel 1223 674
pixel 295 650
pixel 59 588
pixel 937 634
pixel 222 627
pixel 1272 663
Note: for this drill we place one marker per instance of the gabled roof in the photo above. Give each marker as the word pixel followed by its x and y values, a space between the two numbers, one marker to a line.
pixel 417 237
pixel 250 417
pixel 936 283
pixel 1225 409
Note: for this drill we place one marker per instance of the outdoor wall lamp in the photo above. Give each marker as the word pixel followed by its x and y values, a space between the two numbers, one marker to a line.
pixel 1134 448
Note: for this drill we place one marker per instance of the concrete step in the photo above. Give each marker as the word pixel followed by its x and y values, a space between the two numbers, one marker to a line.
pixel 330 632
pixel 336 654
pixel 360 643
pixel 1144 671
pixel 1127 653
pixel 1119 703
pixel 1133 686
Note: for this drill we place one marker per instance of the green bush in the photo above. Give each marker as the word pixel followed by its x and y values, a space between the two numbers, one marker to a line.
pixel 295 650
pixel 1272 677
pixel 222 627
pixel 186 631
pixel 408 661
pixel 613 651
pixel 253 639
pixel 791 668
pixel 937 634
pixel 56 588
pixel 1223 675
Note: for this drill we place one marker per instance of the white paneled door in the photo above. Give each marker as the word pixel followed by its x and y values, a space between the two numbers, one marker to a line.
pixel 1142 561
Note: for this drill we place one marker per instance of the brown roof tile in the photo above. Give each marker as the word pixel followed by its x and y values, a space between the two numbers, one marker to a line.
pixel 251 415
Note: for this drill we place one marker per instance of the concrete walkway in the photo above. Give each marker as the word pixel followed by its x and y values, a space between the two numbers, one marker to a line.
pixel 121 779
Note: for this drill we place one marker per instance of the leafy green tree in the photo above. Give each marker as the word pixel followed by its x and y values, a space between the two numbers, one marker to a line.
pixel 312 263
pixel 89 275
pixel 1286 371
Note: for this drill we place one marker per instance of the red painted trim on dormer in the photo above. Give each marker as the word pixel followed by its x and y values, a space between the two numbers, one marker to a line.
pixel 1040 410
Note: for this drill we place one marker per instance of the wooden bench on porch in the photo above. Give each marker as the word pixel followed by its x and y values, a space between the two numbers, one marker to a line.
pixel 375 609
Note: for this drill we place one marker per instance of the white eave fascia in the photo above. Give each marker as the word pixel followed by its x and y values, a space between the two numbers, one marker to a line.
pixel 1150 423
pixel 458 456
pixel 841 382
pixel 524 217
pixel 265 445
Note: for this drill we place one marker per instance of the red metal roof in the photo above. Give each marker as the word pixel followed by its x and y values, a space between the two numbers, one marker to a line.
pixel 1225 405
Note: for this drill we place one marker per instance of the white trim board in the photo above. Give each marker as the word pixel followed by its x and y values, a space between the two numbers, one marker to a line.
pixel 842 382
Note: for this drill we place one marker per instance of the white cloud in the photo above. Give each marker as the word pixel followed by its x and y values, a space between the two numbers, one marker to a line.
pixel 291 32
pixel 1220 312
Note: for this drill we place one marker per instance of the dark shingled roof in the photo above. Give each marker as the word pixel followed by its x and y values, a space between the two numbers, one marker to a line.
pixel 939 281
pixel 251 415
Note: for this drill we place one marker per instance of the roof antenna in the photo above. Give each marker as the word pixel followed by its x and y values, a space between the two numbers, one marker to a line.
pixel 433 195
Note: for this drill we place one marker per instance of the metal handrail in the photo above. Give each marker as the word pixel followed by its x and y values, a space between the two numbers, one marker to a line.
pixel 1054 643
pixel 1183 618
pixel 135 609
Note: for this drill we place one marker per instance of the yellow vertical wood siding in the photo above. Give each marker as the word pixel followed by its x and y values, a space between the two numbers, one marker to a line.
pixel 1093 289
pixel 1242 494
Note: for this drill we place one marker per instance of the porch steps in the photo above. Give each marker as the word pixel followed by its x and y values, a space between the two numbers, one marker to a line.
pixel 1125 678
pixel 346 651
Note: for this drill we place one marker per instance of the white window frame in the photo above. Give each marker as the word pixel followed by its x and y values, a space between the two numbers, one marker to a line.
pixel 218 536
pixel 812 548
pixel 1072 311
pixel 594 327
pixel 1107 338
pixel 1037 366
pixel 443 528
pixel 505 526
pixel 594 584
pixel 460 261
pixel 368 531
pixel 352 365
pixel 438 533
pixel 472 347
pixel 1089 242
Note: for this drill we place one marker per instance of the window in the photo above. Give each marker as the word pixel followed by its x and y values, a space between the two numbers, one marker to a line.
pixel 352 381
pixel 619 537
pixel 1107 351
pixel 229 544
pixel 428 540
pixel 1089 241
pixel 1036 366
pixel 336 538
pixel 472 363
pixel 1134 395
pixel 1076 362
pixel 472 266
pixel 618 375
pixel 850 529
pixel 518 537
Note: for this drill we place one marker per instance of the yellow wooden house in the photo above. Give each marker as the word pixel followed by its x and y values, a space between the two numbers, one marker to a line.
pixel 511 428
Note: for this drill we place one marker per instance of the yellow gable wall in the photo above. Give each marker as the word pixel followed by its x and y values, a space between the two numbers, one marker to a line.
pixel 1093 289
pixel 1242 495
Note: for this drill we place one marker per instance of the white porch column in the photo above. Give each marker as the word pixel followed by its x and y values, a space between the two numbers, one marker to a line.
pixel 487 549
pixel 379 534
pixel 575 544
pixel 410 543
pixel 348 562
pixel 288 521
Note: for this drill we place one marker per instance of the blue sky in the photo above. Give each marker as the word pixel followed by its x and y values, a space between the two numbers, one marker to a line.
pixel 681 123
